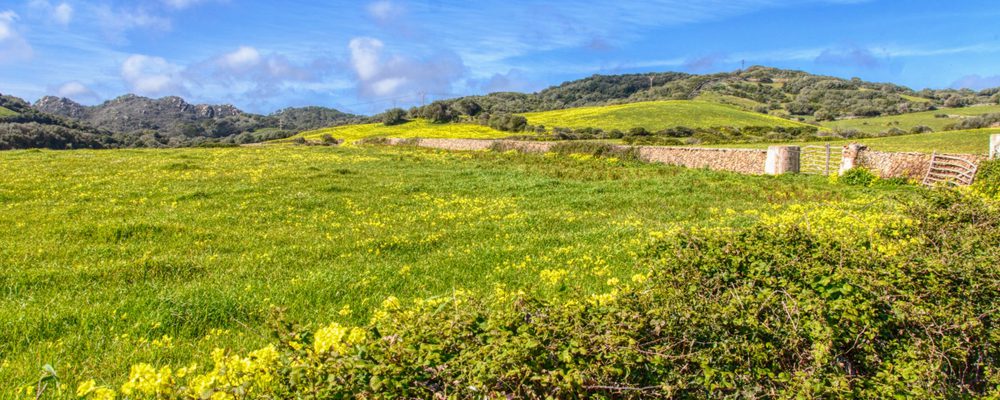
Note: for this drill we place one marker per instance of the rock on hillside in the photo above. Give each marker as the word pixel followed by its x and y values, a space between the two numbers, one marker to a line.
pixel 130 113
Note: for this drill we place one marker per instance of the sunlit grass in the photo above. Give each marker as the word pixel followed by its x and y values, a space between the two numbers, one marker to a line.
pixel 908 121
pixel 655 116
pixel 413 129
pixel 5 112
pixel 112 258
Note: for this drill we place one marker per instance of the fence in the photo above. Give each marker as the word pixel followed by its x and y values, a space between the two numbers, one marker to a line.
pixel 816 160
pixel 950 170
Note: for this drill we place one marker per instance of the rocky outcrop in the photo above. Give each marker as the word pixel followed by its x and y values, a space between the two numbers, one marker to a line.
pixel 130 113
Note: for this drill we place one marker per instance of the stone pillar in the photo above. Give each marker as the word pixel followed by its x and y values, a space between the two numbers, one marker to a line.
pixel 849 159
pixel 782 160
pixel 995 147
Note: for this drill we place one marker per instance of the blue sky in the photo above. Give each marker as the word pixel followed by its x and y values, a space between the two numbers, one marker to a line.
pixel 365 56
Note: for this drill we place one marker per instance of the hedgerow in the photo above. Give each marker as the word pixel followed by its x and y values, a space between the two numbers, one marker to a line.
pixel 802 304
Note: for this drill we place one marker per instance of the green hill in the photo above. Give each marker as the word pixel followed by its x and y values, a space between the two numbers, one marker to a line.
pixel 5 112
pixel 655 116
pixel 417 128
pixel 974 141
pixel 936 119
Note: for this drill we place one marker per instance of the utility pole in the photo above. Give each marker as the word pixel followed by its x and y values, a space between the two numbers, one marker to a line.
pixel 651 83
pixel 423 98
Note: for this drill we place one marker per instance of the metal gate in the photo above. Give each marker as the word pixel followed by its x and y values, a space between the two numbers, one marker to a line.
pixel 950 170
pixel 816 160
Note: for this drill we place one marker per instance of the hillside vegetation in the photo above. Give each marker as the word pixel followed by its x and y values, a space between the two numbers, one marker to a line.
pixel 937 120
pixel 786 93
pixel 5 112
pixel 655 116
pixel 419 128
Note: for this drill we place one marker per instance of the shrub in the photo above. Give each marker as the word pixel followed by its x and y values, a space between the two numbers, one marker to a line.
pixel 858 177
pixel 393 116
pixel 508 122
pixel 329 140
pixel 597 150
pixel 921 129
pixel 988 179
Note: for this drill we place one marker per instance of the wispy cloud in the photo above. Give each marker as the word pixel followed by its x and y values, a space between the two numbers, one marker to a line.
pixel 977 82
pixel 13 46
pixel 849 56
pixel 116 23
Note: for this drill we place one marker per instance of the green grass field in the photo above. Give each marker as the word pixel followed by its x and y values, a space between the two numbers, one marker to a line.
pixel 5 112
pixel 413 129
pixel 908 121
pixel 113 258
pixel 974 141
pixel 655 116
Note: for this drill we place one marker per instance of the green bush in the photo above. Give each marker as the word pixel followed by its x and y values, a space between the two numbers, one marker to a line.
pixel 597 150
pixel 858 177
pixel 988 179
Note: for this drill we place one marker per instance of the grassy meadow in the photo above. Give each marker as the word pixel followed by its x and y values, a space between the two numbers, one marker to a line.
pixel 113 258
pixel 975 141
pixel 655 116
pixel 5 112
pixel 910 120
pixel 419 128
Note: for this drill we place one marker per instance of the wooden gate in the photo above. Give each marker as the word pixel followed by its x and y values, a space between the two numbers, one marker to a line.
pixel 816 160
pixel 950 170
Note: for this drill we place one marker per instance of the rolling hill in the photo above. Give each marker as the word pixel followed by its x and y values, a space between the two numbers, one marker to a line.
pixel 417 128
pixel 937 119
pixel 655 116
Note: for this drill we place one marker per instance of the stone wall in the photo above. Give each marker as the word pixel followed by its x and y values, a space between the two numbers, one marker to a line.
pixel 735 160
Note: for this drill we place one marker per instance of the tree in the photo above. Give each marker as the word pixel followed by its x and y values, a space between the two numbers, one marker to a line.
pixel 437 112
pixel 394 116
pixel 467 107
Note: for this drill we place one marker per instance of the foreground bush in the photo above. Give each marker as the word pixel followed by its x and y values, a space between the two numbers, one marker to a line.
pixel 804 304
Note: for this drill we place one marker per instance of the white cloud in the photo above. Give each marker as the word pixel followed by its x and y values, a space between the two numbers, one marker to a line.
pixel 384 10
pixel 365 56
pixel 13 47
pixel 242 58
pixel 152 76
pixel 63 13
pixel 7 19
pixel 397 75
pixel 77 91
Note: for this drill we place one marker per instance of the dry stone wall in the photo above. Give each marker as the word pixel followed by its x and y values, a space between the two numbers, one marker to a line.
pixel 735 160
